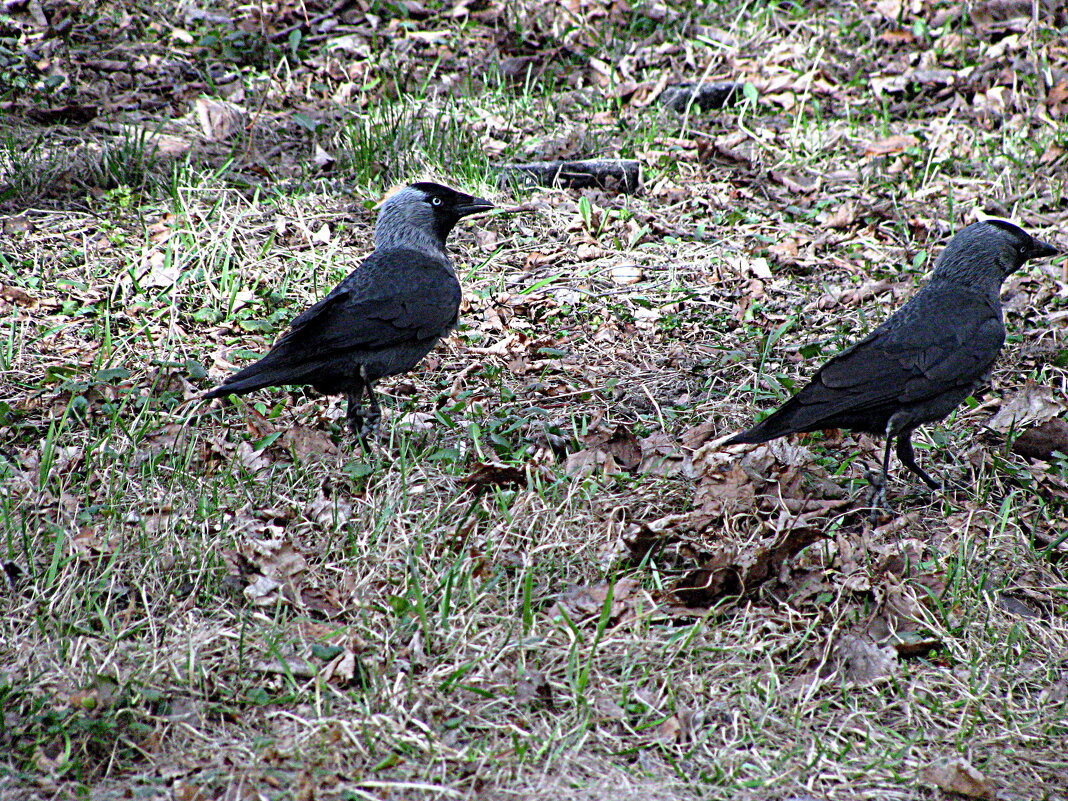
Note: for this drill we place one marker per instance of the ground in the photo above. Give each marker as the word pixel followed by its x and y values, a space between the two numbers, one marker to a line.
pixel 546 579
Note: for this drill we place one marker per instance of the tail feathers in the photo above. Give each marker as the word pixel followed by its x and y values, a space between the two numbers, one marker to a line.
pixel 254 377
pixel 751 436
pixel 780 423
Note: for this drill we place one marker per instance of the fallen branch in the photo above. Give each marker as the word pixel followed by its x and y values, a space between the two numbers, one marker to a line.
pixel 623 175
pixel 706 96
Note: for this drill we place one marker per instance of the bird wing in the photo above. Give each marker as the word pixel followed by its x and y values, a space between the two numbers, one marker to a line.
pixel 394 297
pixel 950 345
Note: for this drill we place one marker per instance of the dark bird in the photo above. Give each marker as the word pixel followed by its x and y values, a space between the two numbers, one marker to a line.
pixel 383 318
pixel 924 360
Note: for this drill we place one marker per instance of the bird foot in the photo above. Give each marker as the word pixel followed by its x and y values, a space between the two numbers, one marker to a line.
pixel 364 425
pixel 876 499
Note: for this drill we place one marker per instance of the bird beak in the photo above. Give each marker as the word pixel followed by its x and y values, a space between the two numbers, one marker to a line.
pixel 472 205
pixel 1040 249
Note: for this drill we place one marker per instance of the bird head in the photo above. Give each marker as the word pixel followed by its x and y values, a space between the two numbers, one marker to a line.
pixel 986 252
pixel 423 214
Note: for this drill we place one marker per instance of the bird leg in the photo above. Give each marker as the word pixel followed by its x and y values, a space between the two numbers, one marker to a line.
pixel 363 423
pixel 354 413
pixel 374 415
pixel 877 497
pixel 908 458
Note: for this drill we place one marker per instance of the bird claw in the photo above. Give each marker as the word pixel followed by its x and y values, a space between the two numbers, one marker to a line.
pixel 876 499
pixel 364 425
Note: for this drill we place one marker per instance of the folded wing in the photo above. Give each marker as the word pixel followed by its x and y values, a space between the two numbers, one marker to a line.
pixel 415 300
pixel 914 358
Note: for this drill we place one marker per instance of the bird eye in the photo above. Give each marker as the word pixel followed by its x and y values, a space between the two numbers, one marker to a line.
pixel 435 201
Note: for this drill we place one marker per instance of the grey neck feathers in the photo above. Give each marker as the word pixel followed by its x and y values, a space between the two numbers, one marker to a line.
pixel 396 237
pixel 978 262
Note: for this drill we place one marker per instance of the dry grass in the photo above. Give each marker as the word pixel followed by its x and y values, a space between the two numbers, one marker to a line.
pixel 235 602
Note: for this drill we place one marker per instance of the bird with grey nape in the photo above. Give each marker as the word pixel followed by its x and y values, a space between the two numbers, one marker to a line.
pixel 383 318
pixel 920 363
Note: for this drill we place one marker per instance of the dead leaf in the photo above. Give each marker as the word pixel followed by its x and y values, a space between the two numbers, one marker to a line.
pixel 735 570
pixel 1035 403
pixel 1052 152
pixel 721 153
pixel 891 145
pixel 251 459
pixel 342 669
pixel 958 776
pixel 586 604
pixel 842 217
pixel 694 438
pixel 329 512
pixel 261 590
pixel 17 296
pixel 533 689
pixel 308 444
pixel 663 456
pixel 861 662
pixel 290 665
pixel 17 225
pixel 266 567
pixel 325 601
pixel 219 119
pixel 158 270
pixel 1040 442
pixel 670 730
pixel 626 274
pixel 495 474
pixel 610 451
pixel 897 37
pixel 323 160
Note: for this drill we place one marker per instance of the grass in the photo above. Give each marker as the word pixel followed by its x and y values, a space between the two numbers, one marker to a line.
pixel 209 601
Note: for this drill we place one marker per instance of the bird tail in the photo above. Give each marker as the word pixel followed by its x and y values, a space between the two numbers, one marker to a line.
pixel 779 423
pixel 257 376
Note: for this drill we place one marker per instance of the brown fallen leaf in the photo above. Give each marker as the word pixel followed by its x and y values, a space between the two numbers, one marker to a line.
pixel 842 217
pixel 798 184
pixel 308 444
pixel 719 153
pixel 786 249
pixel 586 604
pixel 612 451
pixel 1035 403
pixel 861 662
pixel 663 456
pixel 958 776
pixel 533 689
pixel 735 570
pixel 897 37
pixel 19 297
pixel 324 600
pixel 694 438
pixel 219 119
pixel 266 567
pixel 891 145
pixel 1051 153
pixel 494 474
pixel 1041 441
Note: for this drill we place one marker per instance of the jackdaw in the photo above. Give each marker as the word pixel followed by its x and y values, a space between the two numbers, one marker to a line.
pixel 923 361
pixel 383 318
